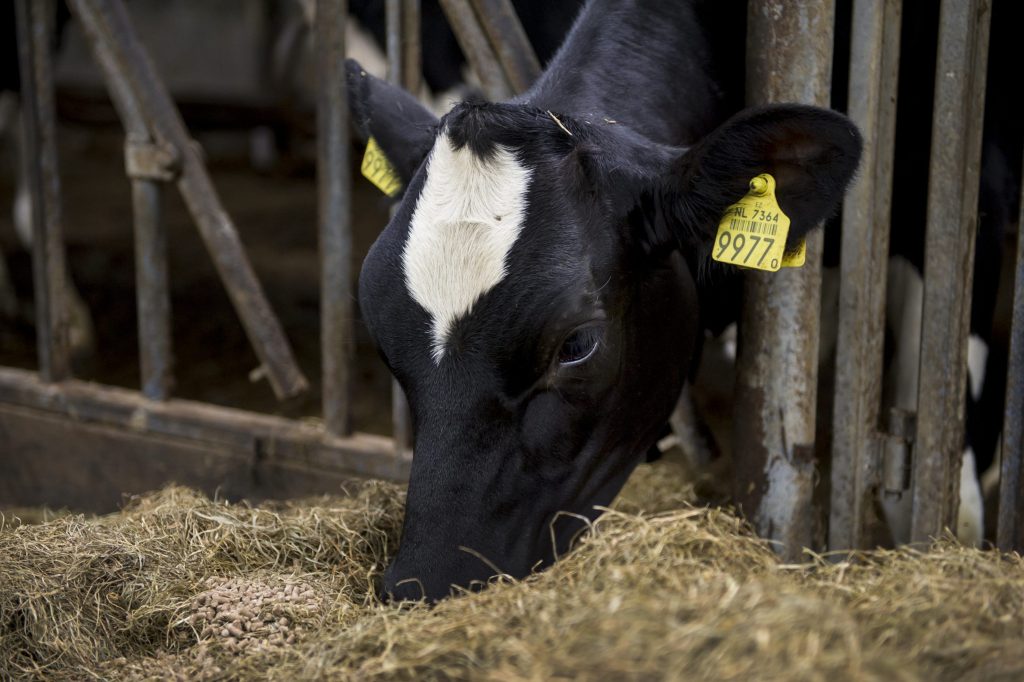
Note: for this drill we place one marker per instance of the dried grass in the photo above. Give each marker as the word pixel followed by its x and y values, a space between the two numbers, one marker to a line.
pixel 650 594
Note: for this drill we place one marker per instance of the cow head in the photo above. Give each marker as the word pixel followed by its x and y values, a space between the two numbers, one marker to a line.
pixel 535 294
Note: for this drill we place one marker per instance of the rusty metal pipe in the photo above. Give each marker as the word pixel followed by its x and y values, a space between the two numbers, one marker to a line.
pixel 948 263
pixel 393 39
pixel 1010 533
pixel 134 69
pixel 151 277
pixel 404 68
pixel 411 75
pixel 509 42
pixel 35 19
pixel 789 48
pixel 153 291
pixel 874 67
pixel 335 217
pixel 477 48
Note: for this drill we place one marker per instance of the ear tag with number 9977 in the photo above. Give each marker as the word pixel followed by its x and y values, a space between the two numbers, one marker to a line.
pixel 753 231
pixel 377 169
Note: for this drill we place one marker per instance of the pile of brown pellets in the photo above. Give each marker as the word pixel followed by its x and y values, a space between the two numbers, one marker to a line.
pixel 252 613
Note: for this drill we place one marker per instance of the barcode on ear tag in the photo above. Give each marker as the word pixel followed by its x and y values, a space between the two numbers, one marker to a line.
pixel 378 170
pixel 752 232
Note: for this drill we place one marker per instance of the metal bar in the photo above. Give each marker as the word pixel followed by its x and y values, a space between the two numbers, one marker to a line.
pixel 477 49
pixel 404 57
pixel 35 19
pixel 948 264
pixel 509 41
pixel 335 213
pixel 265 438
pixel 151 277
pixel 152 291
pixel 134 68
pixel 874 68
pixel 1010 532
pixel 789 60
pixel 412 50
pixel 393 39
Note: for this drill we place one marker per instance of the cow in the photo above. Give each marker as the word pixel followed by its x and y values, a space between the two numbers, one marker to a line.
pixel 536 293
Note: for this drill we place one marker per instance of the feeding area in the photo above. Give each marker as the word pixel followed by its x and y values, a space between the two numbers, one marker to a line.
pixel 205 464
pixel 180 586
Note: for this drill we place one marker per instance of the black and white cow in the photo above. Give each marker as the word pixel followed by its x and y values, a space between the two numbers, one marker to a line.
pixel 536 292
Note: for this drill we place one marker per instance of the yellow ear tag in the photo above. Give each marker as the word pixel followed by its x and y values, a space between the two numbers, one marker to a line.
pixel 377 169
pixel 797 258
pixel 752 232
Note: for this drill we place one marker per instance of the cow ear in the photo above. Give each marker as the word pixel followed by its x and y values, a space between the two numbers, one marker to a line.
pixel 403 128
pixel 812 153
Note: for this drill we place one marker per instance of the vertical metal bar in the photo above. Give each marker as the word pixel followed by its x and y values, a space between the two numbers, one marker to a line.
pixel 35 19
pixel 404 57
pixel 412 50
pixel 151 277
pixel 948 264
pixel 874 72
pixel 152 285
pixel 1010 532
pixel 393 39
pixel 132 66
pixel 335 185
pixel 507 37
pixel 477 49
pixel 789 48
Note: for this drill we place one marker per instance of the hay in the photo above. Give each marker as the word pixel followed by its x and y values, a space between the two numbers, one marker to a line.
pixel 181 587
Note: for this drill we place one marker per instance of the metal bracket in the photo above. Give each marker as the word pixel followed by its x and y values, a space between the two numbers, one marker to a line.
pixel 145 160
pixel 897 451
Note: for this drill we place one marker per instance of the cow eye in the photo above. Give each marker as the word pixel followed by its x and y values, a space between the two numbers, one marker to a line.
pixel 579 346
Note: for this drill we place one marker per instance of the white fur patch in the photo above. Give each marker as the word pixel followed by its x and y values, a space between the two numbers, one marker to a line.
pixel 467 217
pixel 977 356
pixel 970 525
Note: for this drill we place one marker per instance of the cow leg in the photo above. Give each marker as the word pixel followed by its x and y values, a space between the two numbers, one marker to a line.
pixel 970 523
pixel 904 306
pixel 81 332
pixel 971 514
pixel 903 310
pixel 690 432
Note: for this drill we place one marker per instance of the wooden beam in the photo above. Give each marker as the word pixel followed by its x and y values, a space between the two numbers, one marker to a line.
pixel 79 442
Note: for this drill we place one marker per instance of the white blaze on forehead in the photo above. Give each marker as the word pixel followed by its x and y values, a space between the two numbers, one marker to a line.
pixel 466 220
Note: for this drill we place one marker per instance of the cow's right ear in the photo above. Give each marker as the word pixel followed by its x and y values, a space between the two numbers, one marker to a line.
pixel 403 128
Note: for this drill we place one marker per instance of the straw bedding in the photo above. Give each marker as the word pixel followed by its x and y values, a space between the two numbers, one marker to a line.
pixel 178 586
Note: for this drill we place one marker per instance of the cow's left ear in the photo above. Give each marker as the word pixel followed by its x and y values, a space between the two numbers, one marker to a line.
pixel 812 153
pixel 403 127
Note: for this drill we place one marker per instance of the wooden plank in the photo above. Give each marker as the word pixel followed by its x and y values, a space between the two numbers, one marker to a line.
pixel 273 439
pixel 51 459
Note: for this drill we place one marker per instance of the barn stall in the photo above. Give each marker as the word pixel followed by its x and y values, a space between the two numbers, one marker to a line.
pixel 199 584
